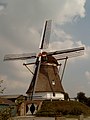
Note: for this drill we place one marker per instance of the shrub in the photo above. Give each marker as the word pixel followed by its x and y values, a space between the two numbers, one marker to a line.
pixel 7 112
pixel 60 108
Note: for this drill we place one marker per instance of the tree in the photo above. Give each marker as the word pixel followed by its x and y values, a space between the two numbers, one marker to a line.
pixel 88 102
pixel 81 97
pixel 5 112
pixel 19 102
pixel 1 89
pixel 66 96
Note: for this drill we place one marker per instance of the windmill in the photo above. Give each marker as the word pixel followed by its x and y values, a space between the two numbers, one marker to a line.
pixel 46 82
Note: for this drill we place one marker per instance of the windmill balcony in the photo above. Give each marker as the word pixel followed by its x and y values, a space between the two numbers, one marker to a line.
pixel 48 95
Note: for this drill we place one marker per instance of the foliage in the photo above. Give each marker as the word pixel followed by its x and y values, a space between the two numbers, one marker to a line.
pixel 1 89
pixel 5 113
pixel 63 108
pixel 66 96
pixel 81 97
pixel 18 102
pixel 88 102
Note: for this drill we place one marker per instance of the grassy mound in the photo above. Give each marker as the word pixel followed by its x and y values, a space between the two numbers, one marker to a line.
pixel 54 108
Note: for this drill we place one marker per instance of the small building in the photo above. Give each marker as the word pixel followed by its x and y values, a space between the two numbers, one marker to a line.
pixel 13 98
pixel 6 104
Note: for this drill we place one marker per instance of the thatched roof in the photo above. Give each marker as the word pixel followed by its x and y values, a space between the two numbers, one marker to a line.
pixel 5 101
pixel 48 78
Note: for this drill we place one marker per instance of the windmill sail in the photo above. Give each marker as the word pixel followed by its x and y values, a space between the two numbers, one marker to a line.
pixel 19 56
pixel 68 53
pixel 46 35
pixel 31 88
pixel 43 44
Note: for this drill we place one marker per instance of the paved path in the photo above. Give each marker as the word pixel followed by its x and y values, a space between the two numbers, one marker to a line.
pixel 43 118
pixel 34 118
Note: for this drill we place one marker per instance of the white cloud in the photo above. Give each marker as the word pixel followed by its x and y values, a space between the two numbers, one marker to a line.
pixel 60 10
pixel 80 88
pixel 3 77
pixel 71 10
pixel 15 86
pixel 8 46
pixel 87 52
pixel 61 45
pixel 62 40
pixel 20 71
pixel 35 12
pixel 25 19
pixel 1 7
pixel 87 74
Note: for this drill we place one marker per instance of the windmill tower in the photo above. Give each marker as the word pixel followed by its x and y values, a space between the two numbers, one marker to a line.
pixel 46 82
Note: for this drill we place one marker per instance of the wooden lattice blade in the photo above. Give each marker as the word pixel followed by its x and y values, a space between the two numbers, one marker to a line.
pixel 34 79
pixel 68 53
pixel 46 35
pixel 19 56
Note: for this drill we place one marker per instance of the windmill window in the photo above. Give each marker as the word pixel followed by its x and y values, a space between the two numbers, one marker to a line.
pixel 53 82
pixel 53 94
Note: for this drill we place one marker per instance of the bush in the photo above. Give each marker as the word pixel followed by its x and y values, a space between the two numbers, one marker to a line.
pixel 61 108
pixel 7 112
pixel 76 111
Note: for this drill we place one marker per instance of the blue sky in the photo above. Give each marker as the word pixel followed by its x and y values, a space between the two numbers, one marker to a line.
pixel 21 23
pixel 80 29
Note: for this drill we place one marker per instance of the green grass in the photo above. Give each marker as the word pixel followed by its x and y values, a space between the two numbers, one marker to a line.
pixel 63 108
